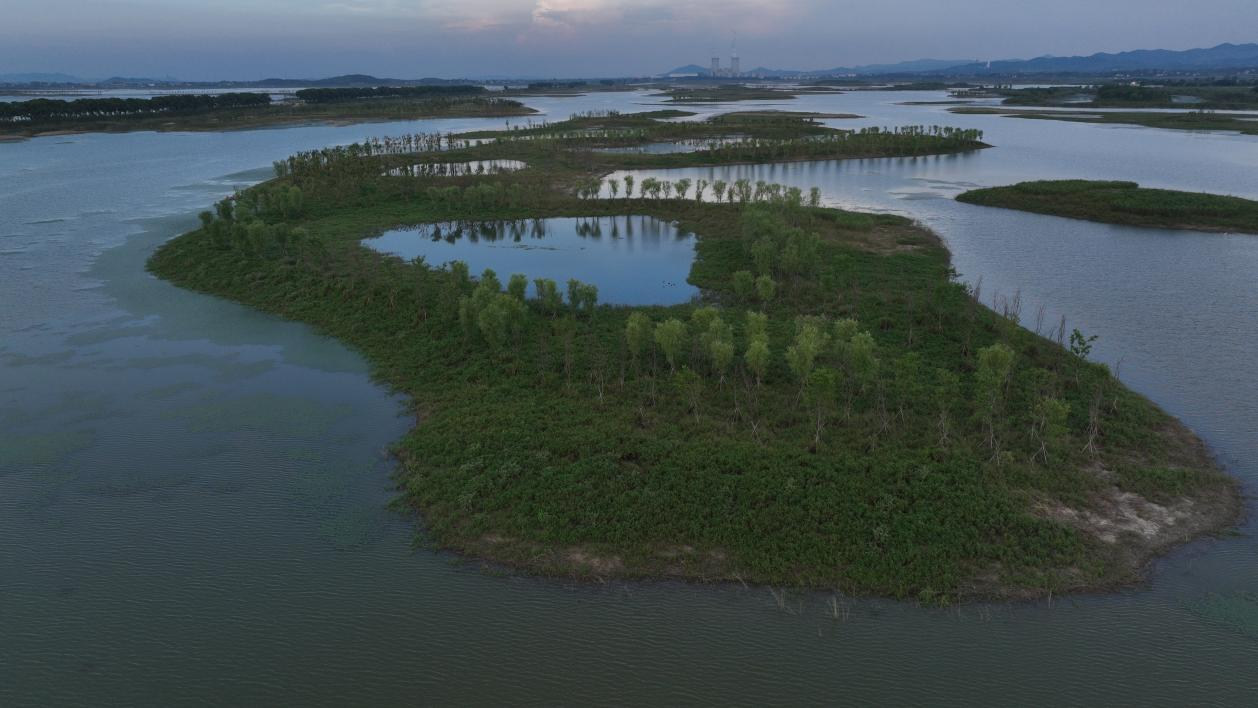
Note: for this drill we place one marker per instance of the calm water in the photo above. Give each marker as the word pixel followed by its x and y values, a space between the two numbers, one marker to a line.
pixel 634 260
pixel 192 495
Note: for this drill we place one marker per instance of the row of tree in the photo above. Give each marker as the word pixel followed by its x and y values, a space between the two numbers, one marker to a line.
pixel 46 110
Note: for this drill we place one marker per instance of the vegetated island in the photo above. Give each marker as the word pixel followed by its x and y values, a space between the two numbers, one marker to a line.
pixel 237 111
pixel 731 93
pixel 580 144
pixel 1123 203
pixel 1207 96
pixel 837 412
pixel 1180 120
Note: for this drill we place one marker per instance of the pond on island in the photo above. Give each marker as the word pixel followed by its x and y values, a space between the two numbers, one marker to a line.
pixel 634 260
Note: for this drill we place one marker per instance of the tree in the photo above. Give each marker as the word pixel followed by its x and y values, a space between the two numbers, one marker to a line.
pixel 518 286
pixel 690 386
pixel 945 395
pixel 700 187
pixel 548 295
pixel 574 294
pixel 718 189
pixel 744 285
pixel 994 366
pixel 757 326
pixel 701 319
pixel 765 288
pixel 1080 345
pixel 628 186
pixel 670 335
pixel 489 281
pixel 763 252
pixel 814 197
pixel 722 353
pixel 681 186
pixel 460 275
pixel 498 318
pixel 587 295
pixel 638 332
pixel 810 341
pixel 757 357
pixel 819 395
pixel 614 187
pixel 1048 428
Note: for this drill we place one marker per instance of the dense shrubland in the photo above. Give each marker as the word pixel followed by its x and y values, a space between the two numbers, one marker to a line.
pixel 838 411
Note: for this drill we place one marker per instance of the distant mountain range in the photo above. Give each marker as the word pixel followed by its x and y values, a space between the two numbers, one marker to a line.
pixel 905 67
pixel 1222 57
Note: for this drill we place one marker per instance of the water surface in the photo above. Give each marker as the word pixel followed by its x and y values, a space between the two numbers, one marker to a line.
pixel 634 260
pixel 193 495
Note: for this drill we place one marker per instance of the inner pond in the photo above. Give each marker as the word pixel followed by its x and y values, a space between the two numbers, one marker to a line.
pixel 633 259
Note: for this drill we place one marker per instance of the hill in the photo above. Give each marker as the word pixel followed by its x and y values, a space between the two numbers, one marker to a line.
pixel 1224 56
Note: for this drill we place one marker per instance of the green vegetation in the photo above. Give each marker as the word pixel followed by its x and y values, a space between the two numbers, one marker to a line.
pixel 233 111
pixel 730 138
pixel 727 94
pixel 1184 120
pixel 1123 203
pixel 1227 96
pixel 340 95
pixel 838 412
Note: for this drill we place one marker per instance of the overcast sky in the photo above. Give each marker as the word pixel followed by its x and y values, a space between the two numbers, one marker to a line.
pixel 250 39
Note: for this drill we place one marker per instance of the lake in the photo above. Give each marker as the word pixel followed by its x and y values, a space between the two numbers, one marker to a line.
pixel 634 260
pixel 193 495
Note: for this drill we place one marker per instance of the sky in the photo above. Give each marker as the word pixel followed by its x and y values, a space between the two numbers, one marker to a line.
pixel 252 39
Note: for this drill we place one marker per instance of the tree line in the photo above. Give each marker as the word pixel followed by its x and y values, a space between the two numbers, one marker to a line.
pixel 47 110
pixel 337 95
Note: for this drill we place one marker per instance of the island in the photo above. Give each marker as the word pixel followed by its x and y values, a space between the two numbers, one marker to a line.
pixel 1168 120
pixel 819 404
pixel 238 111
pixel 1124 203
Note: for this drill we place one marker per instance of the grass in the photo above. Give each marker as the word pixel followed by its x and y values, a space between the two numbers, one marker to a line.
pixel 545 442
pixel 1123 203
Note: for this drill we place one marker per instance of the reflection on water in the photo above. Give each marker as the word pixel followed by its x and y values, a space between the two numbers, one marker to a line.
pixel 457 169
pixel 634 260
pixel 674 147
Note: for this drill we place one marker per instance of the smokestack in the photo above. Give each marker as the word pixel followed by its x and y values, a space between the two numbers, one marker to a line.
pixel 716 66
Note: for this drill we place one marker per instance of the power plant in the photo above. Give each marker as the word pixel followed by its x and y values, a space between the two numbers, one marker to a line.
pixel 735 66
